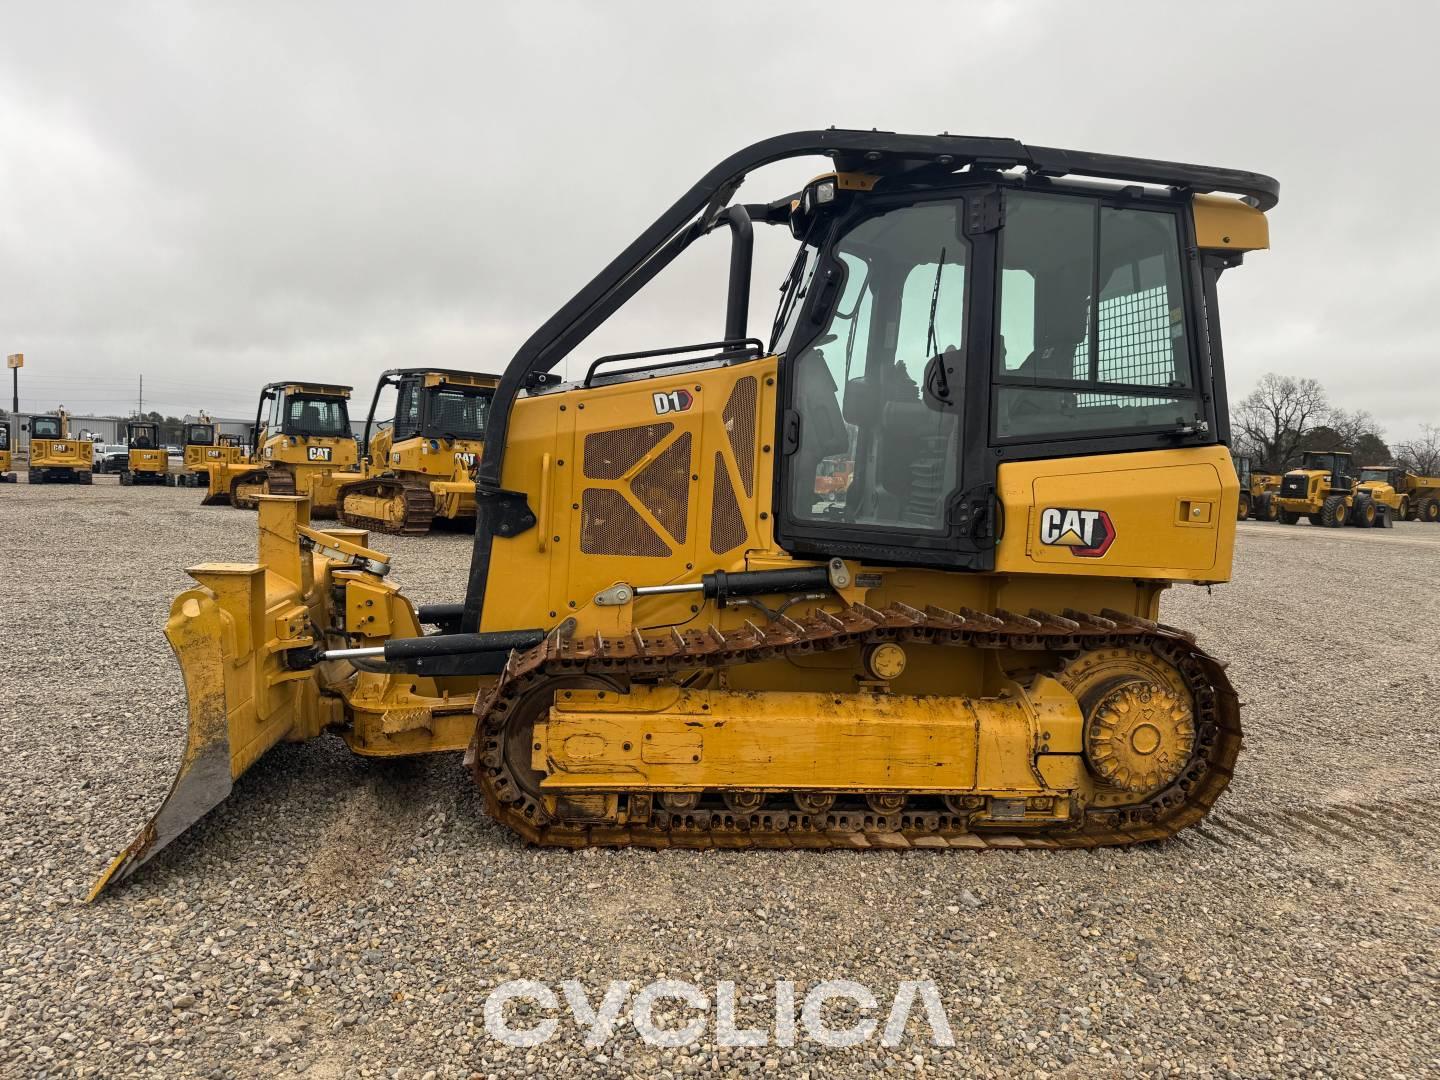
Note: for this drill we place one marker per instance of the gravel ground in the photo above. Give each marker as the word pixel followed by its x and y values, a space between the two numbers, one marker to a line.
pixel 337 918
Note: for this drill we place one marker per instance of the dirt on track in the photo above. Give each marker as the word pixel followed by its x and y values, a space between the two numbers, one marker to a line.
pixel 343 918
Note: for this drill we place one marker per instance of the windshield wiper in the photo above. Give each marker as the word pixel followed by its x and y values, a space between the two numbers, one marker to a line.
pixel 790 288
pixel 931 345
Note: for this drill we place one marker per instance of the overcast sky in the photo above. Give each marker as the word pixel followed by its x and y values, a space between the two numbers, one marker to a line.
pixel 220 196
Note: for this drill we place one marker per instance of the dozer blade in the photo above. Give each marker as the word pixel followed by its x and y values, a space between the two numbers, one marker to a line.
pixel 231 637
pixel 205 777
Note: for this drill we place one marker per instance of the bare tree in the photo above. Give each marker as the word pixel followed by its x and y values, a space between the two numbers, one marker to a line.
pixel 1421 455
pixel 1353 427
pixel 1275 417
pixel 1356 432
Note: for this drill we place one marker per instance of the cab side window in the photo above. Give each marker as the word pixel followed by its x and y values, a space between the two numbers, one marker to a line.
pixel 1092 335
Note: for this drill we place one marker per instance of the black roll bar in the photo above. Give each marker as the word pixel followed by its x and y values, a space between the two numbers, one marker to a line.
pixel 742 259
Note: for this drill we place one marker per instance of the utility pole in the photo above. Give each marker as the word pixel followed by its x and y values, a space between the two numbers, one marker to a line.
pixel 15 361
pixel 140 405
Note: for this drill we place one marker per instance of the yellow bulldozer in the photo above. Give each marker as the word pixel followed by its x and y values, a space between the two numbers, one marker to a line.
pixel 6 476
pixel 303 446
pixel 146 460
pixel 421 465
pixel 669 639
pixel 205 446
pixel 56 457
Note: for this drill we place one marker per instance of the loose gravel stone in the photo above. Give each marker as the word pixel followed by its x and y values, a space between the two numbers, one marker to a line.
pixel 337 917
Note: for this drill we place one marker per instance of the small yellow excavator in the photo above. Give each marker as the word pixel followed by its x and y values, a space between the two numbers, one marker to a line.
pixel 55 456
pixel 670 638
pixel 146 461
pixel 303 445
pixel 420 466
pixel 206 446
pixel 6 476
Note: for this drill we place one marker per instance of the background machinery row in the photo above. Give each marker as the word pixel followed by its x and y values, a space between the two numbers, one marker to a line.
pixel 419 466
pixel 1328 491
pixel 420 463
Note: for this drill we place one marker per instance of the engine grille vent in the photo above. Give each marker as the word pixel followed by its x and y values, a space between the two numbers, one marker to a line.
pixel 739 420
pixel 609 455
pixel 727 526
pixel 663 487
pixel 1294 487
pixel 611 526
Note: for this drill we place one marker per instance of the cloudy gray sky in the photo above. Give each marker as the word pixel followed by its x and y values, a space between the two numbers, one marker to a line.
pixel 219 195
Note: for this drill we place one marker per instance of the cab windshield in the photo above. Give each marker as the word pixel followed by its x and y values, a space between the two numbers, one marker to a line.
pixel 142 437
pixel 1375 476
pixel 1321 463
pixel 457 412
pixel 199 435
pixel 45 427
pixel 312 414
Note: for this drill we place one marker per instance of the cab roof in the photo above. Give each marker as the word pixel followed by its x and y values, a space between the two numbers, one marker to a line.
pixel 469 378
pixel 323 389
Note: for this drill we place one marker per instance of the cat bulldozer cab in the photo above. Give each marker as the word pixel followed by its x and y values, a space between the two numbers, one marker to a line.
pixel 6 476
pixel 56 457
pixel 304 445
pixel 667 639
pixel 420 466
pixel 1322 490
pixel 147 461
pixel 205 446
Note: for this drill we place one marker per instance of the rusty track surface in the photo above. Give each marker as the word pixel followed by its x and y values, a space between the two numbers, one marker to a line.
pixel 419 506
pixel 617 661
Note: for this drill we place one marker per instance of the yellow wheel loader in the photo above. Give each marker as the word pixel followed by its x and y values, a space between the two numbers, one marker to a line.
pixel 55 456
pixel 1257 492
pixel 6 476
pixel 146 461
pixel 303 446
pixel 669 639
pixel 205 446
pixel 421 465
pixel 1322 490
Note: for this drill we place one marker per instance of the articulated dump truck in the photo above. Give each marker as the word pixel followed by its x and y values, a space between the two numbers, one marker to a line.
pixel 669 638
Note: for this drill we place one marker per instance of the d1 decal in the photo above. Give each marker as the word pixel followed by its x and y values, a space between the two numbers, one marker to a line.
pixel 673 401
pixel 1087 533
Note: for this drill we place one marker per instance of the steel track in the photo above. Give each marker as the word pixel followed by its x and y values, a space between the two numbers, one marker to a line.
pixel 418 499
pixel 618 660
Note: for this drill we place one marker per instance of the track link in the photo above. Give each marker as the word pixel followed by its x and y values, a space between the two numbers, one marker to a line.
pixel 418 500
pixel 616 661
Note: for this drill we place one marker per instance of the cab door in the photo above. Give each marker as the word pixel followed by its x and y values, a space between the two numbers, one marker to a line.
pixel 882 447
